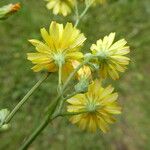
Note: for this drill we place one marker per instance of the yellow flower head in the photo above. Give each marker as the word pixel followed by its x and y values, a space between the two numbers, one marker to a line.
pixel 84 72
pixel 111 56
pixel 98 106
pixel 61 6
pixel 60 47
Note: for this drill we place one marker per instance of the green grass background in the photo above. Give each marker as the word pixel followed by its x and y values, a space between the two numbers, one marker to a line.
pixel 129 19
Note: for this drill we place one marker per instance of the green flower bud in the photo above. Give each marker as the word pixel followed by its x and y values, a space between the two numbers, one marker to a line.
pixel 3 114
pixel 82 86
pixel 4 127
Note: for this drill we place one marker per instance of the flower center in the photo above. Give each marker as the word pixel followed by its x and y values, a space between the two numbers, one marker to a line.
pixel 91 107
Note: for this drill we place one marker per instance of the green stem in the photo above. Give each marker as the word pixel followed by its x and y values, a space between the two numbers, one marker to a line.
pixel 60 95
pixel 68 81
pixel 45 122
pixel 25 98
pixel 64 99
pixel 60 79
pixel 77 13
pixel 79 17
pixel 51 110
pixel 71 95
pixel 76 8
pixel 73 74
pixel 33 136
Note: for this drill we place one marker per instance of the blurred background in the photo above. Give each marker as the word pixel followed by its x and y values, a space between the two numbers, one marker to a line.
pixel 130 19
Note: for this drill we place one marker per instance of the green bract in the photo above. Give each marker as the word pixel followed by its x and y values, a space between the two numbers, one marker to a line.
pixel 3 114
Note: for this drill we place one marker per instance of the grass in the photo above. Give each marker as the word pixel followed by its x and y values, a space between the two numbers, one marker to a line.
pixel 129 19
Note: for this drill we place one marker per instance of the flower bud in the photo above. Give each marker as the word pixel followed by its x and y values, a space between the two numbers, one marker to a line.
pixel 3 114
pixel 9 9
pixel 82 86
pixel 84 72
pixel 4 127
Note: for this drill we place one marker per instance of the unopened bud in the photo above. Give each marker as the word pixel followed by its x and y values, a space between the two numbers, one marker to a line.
pixel 84 72
pixel 4 127
pixel 9 9
pixel 3 114
pixel 82 86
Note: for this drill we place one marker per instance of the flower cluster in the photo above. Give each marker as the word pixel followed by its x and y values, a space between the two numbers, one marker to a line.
pixel 80 90
pixel 61 48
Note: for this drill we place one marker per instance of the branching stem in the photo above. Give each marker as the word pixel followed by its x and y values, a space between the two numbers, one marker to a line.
pixel 51 114
pixel 51 110
pixel 79 17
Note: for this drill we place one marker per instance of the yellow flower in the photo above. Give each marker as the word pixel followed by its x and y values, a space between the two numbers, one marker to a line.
pixel 98 106
pixel 60 47
pixel 110 56
pixel 61 6
pixel 84 72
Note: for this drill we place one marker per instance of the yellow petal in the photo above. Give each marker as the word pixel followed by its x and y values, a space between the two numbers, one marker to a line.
pixel 47 38
pixel 118 44
pixel 108 90
pixel 102 124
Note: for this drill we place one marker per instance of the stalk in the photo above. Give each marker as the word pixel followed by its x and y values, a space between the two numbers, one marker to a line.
pixel 51 110
pixel 25 98
pixel 79 17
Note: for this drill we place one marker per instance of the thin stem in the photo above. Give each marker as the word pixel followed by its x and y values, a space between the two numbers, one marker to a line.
pixel 45 122
pixel 71 95
pixel 65 85
pixel 77 13
pixel 85 10
pixel 76 9
pixel 33 136
pixel 82 14
pixel 25 98
pixel 60 79
pixel 73 74
pixel 56 101
pixel 64 99
pixel 51 109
